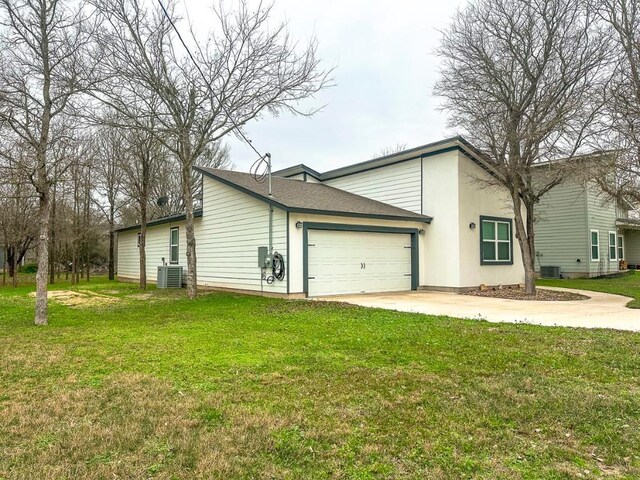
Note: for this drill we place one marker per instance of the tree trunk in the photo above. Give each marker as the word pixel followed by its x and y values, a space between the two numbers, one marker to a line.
pixel 112 263
pixel 87 226
pixel 14 268
pixel 112 235
pixel 143 242
pixel 66 260
pixel 52 261
pixel 526 243
pixel 192 277
pixel 43 261
pixel 11 256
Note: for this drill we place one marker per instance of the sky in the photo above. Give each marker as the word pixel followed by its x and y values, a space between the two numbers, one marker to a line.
pixel 382 52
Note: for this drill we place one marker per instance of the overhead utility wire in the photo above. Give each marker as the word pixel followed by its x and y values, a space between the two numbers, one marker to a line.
pixel 206 81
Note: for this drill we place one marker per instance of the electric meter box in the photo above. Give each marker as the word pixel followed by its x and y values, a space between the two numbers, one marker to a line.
pixel 264 258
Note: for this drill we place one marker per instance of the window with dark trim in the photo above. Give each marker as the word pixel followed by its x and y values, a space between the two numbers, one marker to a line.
pixel 174 250
pixel 613 250
pixel 620 247
pixel 496 241
pixel 595 246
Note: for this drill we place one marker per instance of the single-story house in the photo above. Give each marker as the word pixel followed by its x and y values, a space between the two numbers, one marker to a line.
pixel 417 219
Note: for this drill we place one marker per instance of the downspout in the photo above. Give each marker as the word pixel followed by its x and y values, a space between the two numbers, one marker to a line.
pixel 268 155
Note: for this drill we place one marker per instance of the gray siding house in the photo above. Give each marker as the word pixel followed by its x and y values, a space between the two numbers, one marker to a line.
pixel 583 233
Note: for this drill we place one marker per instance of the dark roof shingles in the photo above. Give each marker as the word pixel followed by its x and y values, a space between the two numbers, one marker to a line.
pixel 302 196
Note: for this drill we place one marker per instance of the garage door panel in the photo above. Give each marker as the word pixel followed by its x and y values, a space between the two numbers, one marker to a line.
pixel 342 262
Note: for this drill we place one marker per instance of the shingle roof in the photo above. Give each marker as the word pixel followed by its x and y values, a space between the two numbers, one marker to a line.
pixel 307 197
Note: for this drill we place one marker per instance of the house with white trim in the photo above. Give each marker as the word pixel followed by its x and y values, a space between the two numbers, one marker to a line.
pixel 416 219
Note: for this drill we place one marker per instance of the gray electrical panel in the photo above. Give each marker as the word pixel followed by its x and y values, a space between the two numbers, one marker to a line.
pixel 264 258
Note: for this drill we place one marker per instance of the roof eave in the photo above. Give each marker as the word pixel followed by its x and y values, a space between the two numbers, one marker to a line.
pixel 405 218
pixel 161 221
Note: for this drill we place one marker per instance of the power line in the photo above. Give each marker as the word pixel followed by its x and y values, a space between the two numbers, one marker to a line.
pixel 206 81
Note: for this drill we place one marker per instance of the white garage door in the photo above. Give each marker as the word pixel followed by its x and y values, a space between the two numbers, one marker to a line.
pixel 341 262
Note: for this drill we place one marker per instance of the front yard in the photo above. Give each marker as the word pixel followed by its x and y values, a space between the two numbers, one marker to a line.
pixel 628 286
pixel 151 385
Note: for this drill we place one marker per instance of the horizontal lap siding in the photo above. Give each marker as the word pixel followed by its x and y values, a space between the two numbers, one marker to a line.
pixel 602 216
pixel 128 259
pixel 561 232
pixel 157 247
pixel 632 246
pixel 233 226
pixel 398 185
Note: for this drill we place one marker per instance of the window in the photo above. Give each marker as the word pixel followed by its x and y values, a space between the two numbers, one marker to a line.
pixel 139 239
pixel 620 247
pixel 595 246
pixel 496 246
pixel 613 251
pixel 174 250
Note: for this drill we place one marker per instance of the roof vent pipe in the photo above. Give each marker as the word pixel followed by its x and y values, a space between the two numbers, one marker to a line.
pixel 268 155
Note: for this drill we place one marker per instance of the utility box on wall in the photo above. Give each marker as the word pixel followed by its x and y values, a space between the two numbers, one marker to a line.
pixel 264 258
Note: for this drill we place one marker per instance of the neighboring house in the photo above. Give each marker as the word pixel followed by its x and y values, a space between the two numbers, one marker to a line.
pixel 585 234
pixel 416 219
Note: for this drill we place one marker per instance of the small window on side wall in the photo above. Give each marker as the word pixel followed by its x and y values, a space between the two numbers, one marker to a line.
pixel 496 241
pixel 620 248
pixel 613 250
pixel 595 245
pixel 174 252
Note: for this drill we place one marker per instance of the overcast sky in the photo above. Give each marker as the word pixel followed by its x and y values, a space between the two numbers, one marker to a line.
pixel 385 68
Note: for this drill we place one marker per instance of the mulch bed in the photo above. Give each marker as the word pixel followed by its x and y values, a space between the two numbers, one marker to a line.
pixel 541 295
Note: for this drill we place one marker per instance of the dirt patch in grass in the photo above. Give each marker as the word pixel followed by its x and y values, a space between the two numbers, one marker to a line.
pixel 541 295
pixel 141 296
pixel 72 298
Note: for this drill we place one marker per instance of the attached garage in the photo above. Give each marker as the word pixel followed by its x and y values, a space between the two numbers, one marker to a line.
pixel 346 259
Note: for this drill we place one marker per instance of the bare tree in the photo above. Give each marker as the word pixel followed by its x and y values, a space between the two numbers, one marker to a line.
pixel 41 70
pixel 623 106
pixel 108 192
pixel 141 159
pixel 167 183
pixel 521 80
pixel 239 72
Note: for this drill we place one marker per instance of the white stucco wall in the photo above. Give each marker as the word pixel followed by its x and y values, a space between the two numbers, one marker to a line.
pixel 440 200
pixel 475 200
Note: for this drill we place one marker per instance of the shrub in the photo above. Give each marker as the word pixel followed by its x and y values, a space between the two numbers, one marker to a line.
pixel 29 268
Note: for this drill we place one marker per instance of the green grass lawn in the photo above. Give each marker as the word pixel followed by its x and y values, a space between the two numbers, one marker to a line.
pixel 129 385
pixel 628 285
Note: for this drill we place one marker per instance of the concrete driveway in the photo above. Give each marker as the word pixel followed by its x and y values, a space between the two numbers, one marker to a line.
pixel 602 310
